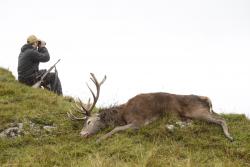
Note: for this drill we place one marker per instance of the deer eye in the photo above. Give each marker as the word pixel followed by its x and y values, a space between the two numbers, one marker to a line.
pixel 88 122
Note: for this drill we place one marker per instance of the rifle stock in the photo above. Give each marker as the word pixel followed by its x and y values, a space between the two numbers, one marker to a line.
pixel 38 83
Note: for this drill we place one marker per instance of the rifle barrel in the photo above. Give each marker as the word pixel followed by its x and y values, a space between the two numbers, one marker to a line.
pixel 38 83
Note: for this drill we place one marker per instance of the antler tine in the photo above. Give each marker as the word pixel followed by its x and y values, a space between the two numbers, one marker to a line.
pixel 103 80
pixel 77 108
pixel 86 109
pixel 95 80
pixel 88 105
pixel 80 109
pixel 92 92
pixel 73 117
pixel 87 112
pixel 98 85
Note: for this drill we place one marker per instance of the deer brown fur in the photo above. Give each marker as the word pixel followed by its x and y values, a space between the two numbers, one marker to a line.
pixel 146 108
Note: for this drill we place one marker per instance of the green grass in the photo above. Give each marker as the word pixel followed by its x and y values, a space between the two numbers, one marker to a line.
pixel 202 144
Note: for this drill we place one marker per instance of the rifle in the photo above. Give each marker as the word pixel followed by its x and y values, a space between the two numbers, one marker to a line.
pixel 38 83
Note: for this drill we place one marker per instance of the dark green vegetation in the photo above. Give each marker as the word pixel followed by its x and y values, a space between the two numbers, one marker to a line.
pixel 201 144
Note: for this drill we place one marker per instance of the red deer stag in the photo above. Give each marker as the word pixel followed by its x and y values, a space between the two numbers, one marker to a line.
pixel 143 109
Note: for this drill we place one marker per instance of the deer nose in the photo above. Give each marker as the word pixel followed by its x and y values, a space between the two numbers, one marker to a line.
pixel 84 134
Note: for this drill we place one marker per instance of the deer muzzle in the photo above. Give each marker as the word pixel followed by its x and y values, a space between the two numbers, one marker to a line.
pixel 84 134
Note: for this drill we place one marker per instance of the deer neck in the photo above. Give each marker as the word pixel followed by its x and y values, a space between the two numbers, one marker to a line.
pixel 112 116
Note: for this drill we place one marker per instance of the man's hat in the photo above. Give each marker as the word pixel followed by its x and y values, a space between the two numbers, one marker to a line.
pixel 32 39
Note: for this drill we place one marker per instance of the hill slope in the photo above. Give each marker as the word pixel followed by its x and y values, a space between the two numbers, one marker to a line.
pixel 201 144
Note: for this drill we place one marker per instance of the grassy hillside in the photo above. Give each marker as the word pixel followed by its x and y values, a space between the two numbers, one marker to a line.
pixel 201 144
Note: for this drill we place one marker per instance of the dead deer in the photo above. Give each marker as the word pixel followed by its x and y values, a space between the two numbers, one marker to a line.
pixel 144 109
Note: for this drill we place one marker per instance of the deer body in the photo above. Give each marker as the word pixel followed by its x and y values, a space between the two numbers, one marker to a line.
pixel 146 108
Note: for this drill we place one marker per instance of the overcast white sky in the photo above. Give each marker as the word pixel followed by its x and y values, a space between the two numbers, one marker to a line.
pixel 176 46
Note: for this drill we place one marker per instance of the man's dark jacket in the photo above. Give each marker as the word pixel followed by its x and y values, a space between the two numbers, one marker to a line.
pixel 28 63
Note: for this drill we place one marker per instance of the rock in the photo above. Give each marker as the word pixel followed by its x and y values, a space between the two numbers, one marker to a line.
pixel 179 124
pixel 170 127
pixel 49 128
pixel 12 132
pixel 183 124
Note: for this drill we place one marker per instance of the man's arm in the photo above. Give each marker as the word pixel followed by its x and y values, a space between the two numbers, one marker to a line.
pixel 42 55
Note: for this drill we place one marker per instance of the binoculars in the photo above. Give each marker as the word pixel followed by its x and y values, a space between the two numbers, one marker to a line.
pixel 40 42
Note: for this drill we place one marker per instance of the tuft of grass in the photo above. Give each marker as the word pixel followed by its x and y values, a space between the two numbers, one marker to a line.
pixel 6 75
pixel 201 144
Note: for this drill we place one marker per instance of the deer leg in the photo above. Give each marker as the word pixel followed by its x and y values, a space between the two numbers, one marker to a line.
pixel 118 129
pixel 210 117
pixel 222 123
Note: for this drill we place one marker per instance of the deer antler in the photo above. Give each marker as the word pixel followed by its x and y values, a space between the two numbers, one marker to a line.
pixel 86 109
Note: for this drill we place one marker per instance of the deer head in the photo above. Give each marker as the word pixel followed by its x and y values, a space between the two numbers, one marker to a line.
pixel 92 123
